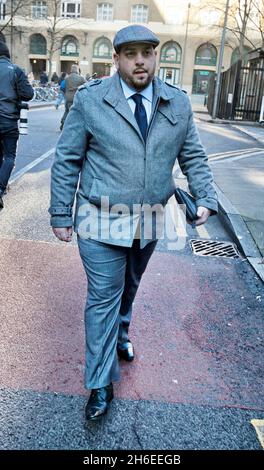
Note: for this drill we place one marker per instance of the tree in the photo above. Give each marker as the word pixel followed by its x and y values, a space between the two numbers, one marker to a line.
pixel 240 12
pixel 13 8
pixel 257 19
pixel 56 30
pixel 239 24
pixel 51 13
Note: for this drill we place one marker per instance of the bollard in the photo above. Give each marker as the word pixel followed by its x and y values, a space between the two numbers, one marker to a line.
pixel 23 120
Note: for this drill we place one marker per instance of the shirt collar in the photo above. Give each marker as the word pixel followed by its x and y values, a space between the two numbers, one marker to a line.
pixel 128 92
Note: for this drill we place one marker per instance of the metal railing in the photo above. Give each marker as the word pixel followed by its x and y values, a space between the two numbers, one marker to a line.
pixel 241 93
pixel 45 93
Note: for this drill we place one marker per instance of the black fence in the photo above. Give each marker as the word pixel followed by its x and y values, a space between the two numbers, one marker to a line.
pixel 241 93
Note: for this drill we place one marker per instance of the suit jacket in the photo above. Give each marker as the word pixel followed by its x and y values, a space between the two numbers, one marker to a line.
pixel 101 142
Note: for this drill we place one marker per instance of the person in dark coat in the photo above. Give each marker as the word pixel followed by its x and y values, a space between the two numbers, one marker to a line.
pixel 43 78
pixel 72 82
pixel 14 88
pixel 54 78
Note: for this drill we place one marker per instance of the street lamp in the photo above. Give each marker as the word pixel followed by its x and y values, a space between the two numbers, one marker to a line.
pixel 220 62
pixel 184 45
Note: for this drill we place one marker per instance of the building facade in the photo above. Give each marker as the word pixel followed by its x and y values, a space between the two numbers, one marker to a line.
pixel 53 34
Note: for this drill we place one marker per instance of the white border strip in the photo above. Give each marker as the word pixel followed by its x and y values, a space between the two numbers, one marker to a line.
pixel 31 165
pixel 235 152
pixel 233 159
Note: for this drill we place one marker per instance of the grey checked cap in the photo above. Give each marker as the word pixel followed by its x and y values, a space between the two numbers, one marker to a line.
pixel 134 33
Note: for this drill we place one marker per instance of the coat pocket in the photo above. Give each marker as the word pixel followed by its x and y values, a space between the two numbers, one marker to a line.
pixel 95 193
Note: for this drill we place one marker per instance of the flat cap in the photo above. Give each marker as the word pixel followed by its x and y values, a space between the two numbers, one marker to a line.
pixel 134 33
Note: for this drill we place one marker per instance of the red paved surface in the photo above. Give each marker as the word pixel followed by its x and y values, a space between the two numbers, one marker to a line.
pixel 194 337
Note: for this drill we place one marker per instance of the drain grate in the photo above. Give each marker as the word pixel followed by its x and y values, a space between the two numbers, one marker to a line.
pixel 214 248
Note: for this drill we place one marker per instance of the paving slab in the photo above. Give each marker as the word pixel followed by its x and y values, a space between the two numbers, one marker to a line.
pixel 197 341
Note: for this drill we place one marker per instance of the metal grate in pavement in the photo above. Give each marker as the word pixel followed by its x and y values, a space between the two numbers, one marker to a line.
pixel 214 248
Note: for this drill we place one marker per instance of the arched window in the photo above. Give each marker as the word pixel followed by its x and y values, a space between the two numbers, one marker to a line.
pixel 139 14
pixel 103 48
pixel 38 44
pixel 236 55
pixel 70 46
pixel 171 53
pixel 105 12
pixel 206 54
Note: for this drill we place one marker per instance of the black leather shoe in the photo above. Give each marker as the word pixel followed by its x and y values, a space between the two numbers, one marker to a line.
pixel 126 351
pixel 98 402
pixel 1 203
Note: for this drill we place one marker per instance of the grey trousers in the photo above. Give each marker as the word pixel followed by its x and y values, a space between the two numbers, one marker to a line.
pixel 113 275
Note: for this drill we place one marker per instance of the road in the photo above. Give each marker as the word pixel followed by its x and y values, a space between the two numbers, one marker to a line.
pixel 198 374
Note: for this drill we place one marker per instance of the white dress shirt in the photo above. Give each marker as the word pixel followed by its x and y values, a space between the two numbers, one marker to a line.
pixel 147 95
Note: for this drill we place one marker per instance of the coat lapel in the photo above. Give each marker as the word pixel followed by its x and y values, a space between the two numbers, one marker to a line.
pixel 161 101
pixel 116 98
pixel 163 96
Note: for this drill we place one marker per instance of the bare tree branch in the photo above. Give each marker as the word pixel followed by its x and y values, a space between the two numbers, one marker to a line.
pixel 56 29
pixel 241 17
pixel 13 9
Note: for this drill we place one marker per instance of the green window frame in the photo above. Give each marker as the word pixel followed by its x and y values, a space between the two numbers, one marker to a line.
pixel 206 54
pixel 37 44
pixel 171 53
pixel 70 46
pixel 102 48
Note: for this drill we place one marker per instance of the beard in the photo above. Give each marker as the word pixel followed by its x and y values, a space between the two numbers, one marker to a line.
pixel 137 82
pixel 140 84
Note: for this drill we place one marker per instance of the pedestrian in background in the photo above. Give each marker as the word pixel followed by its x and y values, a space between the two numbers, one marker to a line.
pixel 54 79
pixel 72 82
pixel 61 94
pixel 121 139
pixel 43 78
pixel 14 88
pixel 30 77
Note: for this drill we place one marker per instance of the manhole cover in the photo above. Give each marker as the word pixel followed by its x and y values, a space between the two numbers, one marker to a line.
pixel 214 248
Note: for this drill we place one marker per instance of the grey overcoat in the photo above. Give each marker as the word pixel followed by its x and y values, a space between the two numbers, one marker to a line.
pixel 101 152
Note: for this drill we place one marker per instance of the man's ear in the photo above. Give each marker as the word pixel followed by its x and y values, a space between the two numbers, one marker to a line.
pixel 116 59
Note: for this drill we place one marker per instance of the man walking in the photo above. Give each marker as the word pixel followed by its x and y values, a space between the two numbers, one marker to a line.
pixel 14 87
pixel 72 83
pixel 122 137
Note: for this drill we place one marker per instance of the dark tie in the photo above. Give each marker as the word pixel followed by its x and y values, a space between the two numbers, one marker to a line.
pixel 140 115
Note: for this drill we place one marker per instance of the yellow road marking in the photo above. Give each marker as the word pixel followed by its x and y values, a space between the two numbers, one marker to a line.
pixel 259 428
pixel 202 231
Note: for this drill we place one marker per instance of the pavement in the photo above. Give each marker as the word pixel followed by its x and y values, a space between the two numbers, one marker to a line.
pixel 240 187
pixel 197 376
pixel 41 104
pixel 196 379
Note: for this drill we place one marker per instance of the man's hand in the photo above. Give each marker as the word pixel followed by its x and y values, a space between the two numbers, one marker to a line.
pixel 63 233
pixel 203 213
